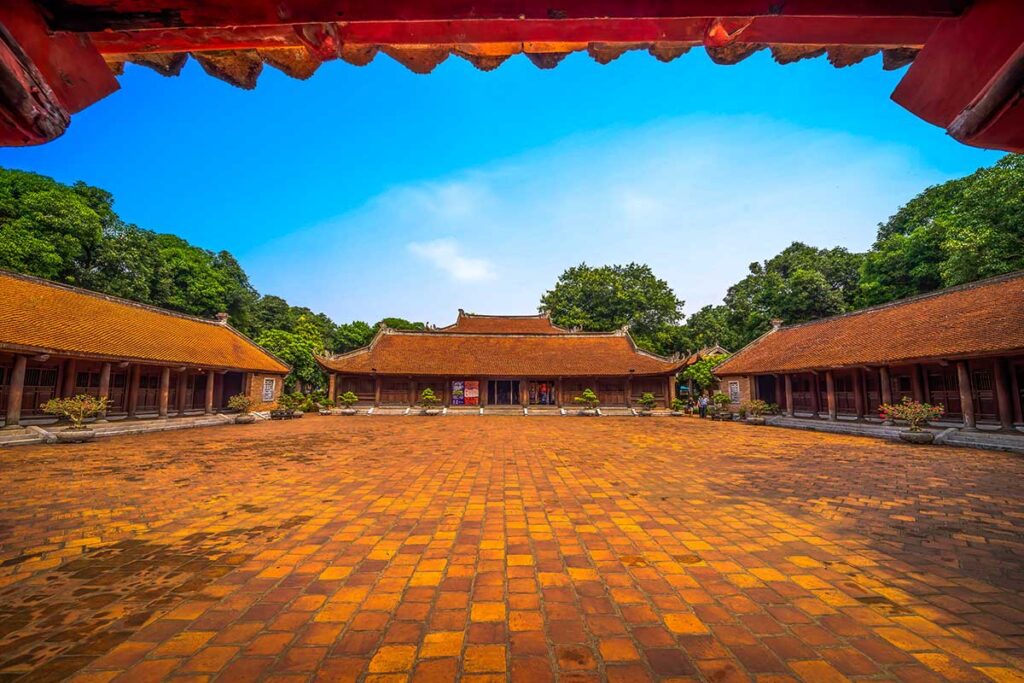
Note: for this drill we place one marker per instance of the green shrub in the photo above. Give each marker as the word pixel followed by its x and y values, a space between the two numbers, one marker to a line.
pixel 241 403
pixel 755 408
pixel 721 400
pixel 428 399
pixel 678 405
pixel 348 399
pixel 76 408
pixel 647 401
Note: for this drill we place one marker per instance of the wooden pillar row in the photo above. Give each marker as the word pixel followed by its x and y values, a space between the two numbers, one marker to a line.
pixel 70 375
pixel 915 383
pixel 815 395
pixel 16 393
pixel 182 389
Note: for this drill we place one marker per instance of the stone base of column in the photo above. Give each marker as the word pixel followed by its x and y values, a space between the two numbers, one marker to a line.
pixel 968 429
pixel 888 423
pixel 11 427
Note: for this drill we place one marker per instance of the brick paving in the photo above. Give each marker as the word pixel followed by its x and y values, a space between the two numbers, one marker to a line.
pixel 497 548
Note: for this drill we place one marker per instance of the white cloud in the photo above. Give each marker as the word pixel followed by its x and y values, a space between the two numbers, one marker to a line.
pixel 698 199
pixel 446 255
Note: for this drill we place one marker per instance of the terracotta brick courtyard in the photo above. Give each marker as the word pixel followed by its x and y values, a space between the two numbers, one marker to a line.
pixel 535 549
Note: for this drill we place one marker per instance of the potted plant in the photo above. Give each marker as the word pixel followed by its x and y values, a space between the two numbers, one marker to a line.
pixel 348 400
pixel 589 402
pixel 287 407
pixel 915 414
pixel 429 403
pixel 678 406
pixel 755 411
pixel 243 404
pixel 646 403
pixel 721 401
pixel 324 406
pixel 76 409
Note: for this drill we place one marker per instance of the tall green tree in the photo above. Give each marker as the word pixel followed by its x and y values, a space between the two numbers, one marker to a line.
pixel 351 336
pixel 604 298
pixel 298 349
pixel 956 232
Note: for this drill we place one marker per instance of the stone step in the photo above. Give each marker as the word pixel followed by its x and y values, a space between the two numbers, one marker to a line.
pixel 503 410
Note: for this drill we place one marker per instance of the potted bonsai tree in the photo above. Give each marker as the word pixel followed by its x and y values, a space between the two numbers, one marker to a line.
pixel 287 407
pixel 348 400
pixel 589 402
pixel 678 406
pixel 243 404
pixel 324 406
pixel 755 411
pixel 76 409
pixel 429 403
pixel 646 403
pixel 721 401
pixel 915 414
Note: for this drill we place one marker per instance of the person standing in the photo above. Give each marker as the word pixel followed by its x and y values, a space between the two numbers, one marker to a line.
pixel 702 406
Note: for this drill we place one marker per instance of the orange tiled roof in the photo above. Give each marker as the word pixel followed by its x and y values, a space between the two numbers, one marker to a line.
pixel 985 317
pixel 44 317
pixel 503 324
pixel 497 355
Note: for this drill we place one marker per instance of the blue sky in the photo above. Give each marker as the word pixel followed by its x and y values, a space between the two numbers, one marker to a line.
pixel 372 191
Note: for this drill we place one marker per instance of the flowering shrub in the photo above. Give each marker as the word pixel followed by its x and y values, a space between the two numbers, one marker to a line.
pixel 76 408
pixel 588 399
pixel 755 408
pixel 913 413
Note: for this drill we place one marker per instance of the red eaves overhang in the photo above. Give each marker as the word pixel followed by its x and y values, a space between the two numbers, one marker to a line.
pixel 59 56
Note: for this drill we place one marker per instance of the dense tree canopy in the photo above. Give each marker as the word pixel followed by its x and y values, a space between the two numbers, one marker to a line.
pixel 605 298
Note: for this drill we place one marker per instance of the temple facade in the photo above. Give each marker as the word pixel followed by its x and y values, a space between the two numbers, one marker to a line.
pixel 961 348
pixel 484 360
pixel 59 341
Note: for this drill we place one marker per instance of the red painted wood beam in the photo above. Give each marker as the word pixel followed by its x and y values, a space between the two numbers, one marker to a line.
pixel 44 78
pixel 99 15
pixel 898 31
pixel 969 78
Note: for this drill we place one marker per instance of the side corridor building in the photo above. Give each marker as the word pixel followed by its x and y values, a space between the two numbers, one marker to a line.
pixel 962 348
pixel 58 341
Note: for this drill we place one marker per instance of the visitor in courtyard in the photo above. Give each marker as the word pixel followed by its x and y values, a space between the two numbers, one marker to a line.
pixel 702 406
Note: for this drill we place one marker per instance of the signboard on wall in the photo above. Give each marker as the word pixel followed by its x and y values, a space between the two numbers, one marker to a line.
pixel 472 393
pixel 268 389
pixel 458 393
pixel 734 392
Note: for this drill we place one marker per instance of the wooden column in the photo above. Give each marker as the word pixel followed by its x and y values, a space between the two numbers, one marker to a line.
pixel 218 390
pixel 182 388
pixel 104 389
pixel 963 378
pixel 884 385
pixel 412 392
pixel 524 393
pixel 165 392
pixel 815 395
pixel 858 393
pixel 628 390
pixel 915 383
pixel 211 378
pixel 789 395
pixel 133 390
pixel 558 392
pixel 16 392
pixel 376 391
pixel 885 389
pixel 332 383
pixel 671 391
pixel 70 375
pixel 1015 391
pixel 1003 394
pixel 830 391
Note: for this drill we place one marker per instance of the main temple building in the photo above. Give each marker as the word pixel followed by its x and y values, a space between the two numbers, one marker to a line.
pixel 485 360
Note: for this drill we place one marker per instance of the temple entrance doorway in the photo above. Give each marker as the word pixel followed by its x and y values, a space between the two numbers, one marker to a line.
pixel 542 393
pixel 503 392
